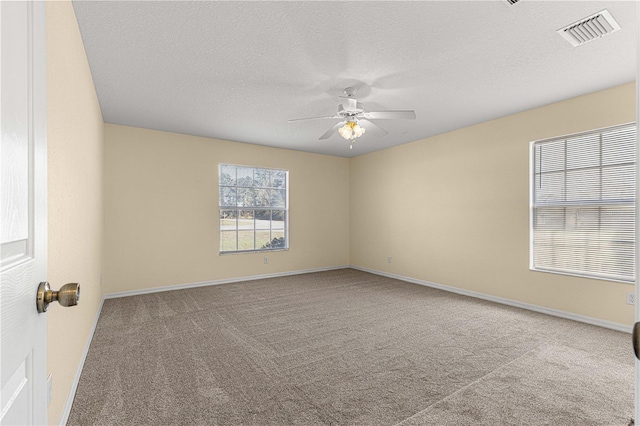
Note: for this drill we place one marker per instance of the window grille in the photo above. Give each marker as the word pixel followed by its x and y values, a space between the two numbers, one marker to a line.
pixel 253 208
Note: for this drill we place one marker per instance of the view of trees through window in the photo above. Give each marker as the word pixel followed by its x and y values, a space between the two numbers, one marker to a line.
pixel 253 208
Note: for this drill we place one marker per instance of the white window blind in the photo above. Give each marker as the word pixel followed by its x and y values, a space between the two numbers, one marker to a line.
pixel 583 204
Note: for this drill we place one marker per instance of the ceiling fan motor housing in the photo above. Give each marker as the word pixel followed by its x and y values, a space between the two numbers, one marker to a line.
pixel 348 113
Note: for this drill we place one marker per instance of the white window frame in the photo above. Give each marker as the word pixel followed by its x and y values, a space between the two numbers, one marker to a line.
pixel 566 204
pixel 254 208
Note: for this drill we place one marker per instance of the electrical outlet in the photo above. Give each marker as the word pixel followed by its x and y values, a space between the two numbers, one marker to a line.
pixel 49 389
pixel 266 260
pixel 631 298
pixel 389 259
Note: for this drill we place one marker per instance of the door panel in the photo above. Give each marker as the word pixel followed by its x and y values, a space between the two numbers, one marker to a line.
pixel 637 254
pixel 23 390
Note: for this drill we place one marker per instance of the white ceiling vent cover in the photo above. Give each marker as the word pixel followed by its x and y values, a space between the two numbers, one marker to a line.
pixel 589 28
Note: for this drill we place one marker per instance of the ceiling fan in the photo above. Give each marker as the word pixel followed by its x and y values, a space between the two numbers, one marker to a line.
pixel 352 114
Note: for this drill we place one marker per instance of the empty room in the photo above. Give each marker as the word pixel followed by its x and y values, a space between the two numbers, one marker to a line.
pixel 319 212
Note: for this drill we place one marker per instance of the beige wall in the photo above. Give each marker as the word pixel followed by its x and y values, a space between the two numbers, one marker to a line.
pixel 161 209
pixel 454 209
pixel 75 134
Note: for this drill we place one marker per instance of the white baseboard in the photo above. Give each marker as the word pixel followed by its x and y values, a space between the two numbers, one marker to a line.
pixel 74 385
pixel 218 282
pixel 536 308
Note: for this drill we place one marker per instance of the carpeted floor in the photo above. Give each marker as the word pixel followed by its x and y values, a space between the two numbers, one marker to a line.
pixel 346 347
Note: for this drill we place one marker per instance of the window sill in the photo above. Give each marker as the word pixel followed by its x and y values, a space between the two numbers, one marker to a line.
pixel 225 253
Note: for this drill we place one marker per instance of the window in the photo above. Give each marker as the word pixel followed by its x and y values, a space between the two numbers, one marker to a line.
pixel 253 208
pixel 583 204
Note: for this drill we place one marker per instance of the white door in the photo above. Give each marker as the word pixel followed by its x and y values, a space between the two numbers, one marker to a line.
pixel 637 284
pixel 23 212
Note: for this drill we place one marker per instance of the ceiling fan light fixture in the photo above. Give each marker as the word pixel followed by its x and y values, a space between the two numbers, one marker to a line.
pixel 351 130
pixel 351 112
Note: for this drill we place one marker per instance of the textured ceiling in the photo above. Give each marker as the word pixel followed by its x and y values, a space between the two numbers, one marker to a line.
pixel 240 70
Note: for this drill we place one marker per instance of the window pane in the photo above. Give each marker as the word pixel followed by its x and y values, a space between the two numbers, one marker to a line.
pixel 549 157
pixel 583 185
pixel 263 239
pixel 278 179
pixel 246 197
pixel 261 197
pixel 228 220
pixel 227 175
pixel 619 146
pixel 245 176
pixel 246 240
pixel 277 219
pixel 228 241
pixel 583 151
pixel 549 187
pixel 227 196
pixel 245 221
pixel 277 239
pixel 278 197
pixel 618 183
pixel 263 219
pixel 261 177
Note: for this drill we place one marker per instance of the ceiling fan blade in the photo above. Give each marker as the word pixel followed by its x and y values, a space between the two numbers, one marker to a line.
pixel 372 127
pixel 314 118
pixel 348 103
pixel 331 131
pixel 391 115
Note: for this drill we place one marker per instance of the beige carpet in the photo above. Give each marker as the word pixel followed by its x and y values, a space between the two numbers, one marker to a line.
pixel 346 347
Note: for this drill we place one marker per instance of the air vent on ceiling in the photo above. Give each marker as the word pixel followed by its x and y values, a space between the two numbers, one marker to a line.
pixel 589 28
pixel 511 2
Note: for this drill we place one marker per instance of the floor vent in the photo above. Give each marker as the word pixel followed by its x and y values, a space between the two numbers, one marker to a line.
pixel 589 28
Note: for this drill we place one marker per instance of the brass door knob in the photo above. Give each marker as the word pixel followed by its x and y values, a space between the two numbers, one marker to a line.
pixel 68 295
